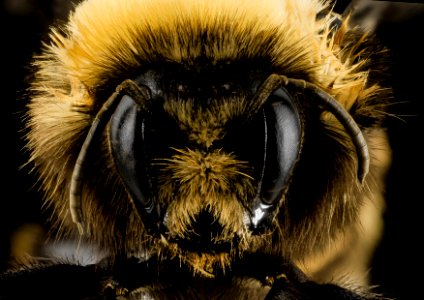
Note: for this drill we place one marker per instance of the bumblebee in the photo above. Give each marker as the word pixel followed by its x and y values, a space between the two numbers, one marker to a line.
pixel 208 150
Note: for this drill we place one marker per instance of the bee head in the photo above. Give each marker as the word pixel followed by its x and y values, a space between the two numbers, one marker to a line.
pixel 174 129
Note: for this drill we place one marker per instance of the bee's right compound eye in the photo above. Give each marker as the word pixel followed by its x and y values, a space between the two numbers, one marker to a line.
pixel 127 141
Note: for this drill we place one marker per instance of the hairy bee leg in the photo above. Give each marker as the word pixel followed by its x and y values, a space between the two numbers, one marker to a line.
pixel 288 282
pixel 113 290
pixel 52 281
pixel 106 280
pixel 285 289
pixel 291 288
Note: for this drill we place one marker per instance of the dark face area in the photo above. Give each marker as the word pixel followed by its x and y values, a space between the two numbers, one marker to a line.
pixel 206 159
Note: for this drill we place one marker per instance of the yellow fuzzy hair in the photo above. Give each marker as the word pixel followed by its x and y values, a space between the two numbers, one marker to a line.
pixel 100 39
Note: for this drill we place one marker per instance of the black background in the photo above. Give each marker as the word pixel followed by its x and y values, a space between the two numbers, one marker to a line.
pixel 398 261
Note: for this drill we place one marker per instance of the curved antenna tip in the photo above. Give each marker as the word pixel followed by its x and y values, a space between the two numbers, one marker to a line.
pixel 80 227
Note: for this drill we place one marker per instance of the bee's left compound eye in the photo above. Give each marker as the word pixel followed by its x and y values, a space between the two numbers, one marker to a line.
pixel 283 135
pixel 282 143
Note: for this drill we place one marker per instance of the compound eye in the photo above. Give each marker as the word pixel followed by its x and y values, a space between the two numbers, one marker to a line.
pixel 127 136
pixel 282 144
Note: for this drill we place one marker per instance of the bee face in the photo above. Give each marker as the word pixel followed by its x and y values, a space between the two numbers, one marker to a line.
pixel 204 164
pixel 204 155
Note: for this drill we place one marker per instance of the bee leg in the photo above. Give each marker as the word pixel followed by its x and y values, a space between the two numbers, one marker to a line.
pixel 114 291
pixel 284 288
pixel 126 275
pixel 51 281
pixel 288 282
pixel 115 286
